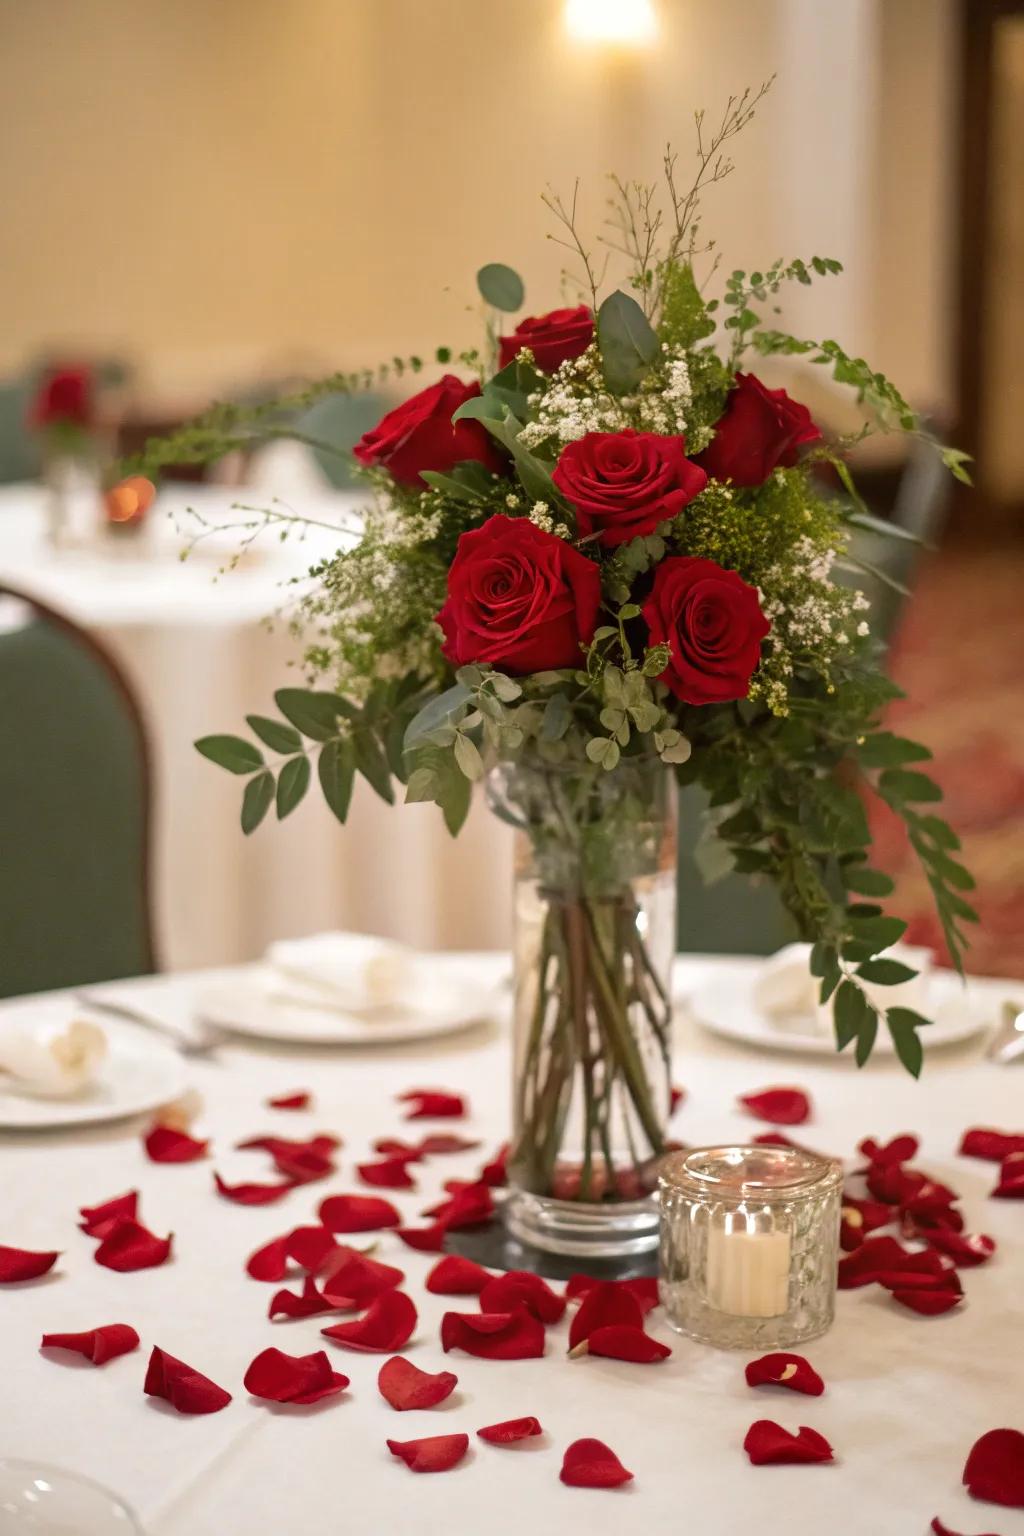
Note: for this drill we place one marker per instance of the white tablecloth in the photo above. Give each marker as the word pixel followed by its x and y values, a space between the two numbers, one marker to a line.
pixel 906 1396
pixel 200 657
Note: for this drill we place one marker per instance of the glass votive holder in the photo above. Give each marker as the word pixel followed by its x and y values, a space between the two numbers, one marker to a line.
pixel 749 1244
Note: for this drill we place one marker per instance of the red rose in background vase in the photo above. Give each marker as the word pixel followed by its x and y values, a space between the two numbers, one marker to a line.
pixel 712 622
pixel 419 435
pixel 623 484
pixel 553 338
pixel 518 598
pixel 759 430
pixel 64 396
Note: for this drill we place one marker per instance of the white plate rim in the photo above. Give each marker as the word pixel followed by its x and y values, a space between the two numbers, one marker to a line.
pixel 65 1114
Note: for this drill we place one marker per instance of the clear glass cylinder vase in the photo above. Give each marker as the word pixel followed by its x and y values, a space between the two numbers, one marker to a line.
pixel 595 903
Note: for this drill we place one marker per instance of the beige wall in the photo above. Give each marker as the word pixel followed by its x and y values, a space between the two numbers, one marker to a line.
pixel 218 186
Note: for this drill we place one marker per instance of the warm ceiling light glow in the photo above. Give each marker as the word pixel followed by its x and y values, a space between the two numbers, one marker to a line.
pixel 611 21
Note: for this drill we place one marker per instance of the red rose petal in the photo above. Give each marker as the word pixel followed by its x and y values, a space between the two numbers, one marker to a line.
pixel 184 1388
pixel 299 1100
pixel 24 1264
pixel 456 1276
pixel 357 1213
pixel 785 1370
pixel 620 1341
pixel 281 1378
pixel 253 1194
pixel 98 1344
pixel 605 1305
pixel 643 1287
pixel 517 1288
pixel 885 1154
pixel 269 1262
pixel 493 1335
pixel 965 1250
pixel 930 1303
pixel 510 1430
pixel 1011 1178
pixel 359 1281
pixel 495 1173
pixel 394 1146
pixel 129 1245
pixel 312 1247
pixel 164 1144
pixel 591 1464
pixel 470 1205
pixel 874 1256
pixel 310 1302
pixel 767 1443
pixel 385 1327
pixel 405 1386
pixel 437 1453
pixel 995 1468
pixel 98 1220
pixel 781 1106
pixel 676 1097
pixel 893 1183
pixel 859 1217
pixel 994 1146
pixel 939 1529
pixel 389 1173
pixel 285 1146
pixel 440 1143
pixel 424 1239
pixel 432 1104
pixel 305 1165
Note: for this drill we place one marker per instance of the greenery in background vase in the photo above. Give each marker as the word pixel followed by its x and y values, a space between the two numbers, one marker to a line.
pixel 787 753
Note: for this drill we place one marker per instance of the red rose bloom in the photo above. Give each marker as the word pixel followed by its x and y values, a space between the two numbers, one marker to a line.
pixel 759 430
pixel 65 395
pixel 420 434
pixel 518 598
pixel 712 622
pixel 552 338
pixel 623 484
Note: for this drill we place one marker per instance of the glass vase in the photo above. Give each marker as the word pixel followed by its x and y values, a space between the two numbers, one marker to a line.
pixel 595 905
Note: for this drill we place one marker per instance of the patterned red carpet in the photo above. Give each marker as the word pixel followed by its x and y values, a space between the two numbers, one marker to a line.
pixel 959 653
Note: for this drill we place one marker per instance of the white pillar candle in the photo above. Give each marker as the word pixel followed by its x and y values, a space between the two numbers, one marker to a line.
pixel 747 1272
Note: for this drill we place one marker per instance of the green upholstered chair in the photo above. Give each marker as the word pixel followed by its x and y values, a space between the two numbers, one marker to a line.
pixel 19 449
pixel 74 808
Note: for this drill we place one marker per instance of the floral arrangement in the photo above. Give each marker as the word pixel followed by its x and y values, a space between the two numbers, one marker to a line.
pixel 604 543
pixel 63 412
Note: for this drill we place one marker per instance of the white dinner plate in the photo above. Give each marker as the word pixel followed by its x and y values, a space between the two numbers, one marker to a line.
pixel 267 1005
pixel 139 1073
pixel 726 1007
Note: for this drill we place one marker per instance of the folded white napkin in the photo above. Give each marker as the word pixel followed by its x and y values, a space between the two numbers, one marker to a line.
pixel 353 971
pixel 52 1066
pixel 786 991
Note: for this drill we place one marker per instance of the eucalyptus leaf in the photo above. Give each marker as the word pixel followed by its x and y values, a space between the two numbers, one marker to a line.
pixel 501 287
pixel 336 769
pixel 313 713
pixel 445 709
pixel 627 343
pixel 256 802
pixel 231 752
pixel 292 785
pixel 468 757
pixel 371 763
pixel 275 734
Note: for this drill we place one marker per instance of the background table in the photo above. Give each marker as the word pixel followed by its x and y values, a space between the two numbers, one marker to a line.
pixel 201 657
pixel 906 1396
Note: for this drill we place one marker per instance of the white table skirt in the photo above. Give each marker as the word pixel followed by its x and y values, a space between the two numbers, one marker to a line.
pixel 906 1396
pixel 201 658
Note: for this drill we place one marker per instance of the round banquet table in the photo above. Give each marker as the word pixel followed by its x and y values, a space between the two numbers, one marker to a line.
pixel 196 648
pixel 906 1396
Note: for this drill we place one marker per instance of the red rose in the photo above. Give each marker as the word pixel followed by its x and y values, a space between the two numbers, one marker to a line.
pixel 712 622
pixel 759 430
pixel 65 395
pixel 419 435
pixel 623 484
pixel 518 598
pixel 552 338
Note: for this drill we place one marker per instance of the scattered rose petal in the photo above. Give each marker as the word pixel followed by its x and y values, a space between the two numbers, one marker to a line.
pixel 767 1443
pixel 927 1269
pixel 98 1220
pixel 518 1287
pixel 312 1247
pixel 510 1430
pixel 389 1173
pixel 514 1335
pixel 24 1264
pixel 995 1468
pixel 164 1144
pixel 781 1106
pixel 129 1245
pixel 437 1453
pixel 269 1262
pixel 785 1370
pixel 456 1276
pixel 281 1378
pixel 885 1154
pixel 495 1173
pixel 432 1104
pixel 470 1205
pixel 285 1146
pixel 1011 1178
pixel 605 1305
pixel 253 1194
pixel 357 1213
pixel 930 1202
pixel 394 1146
pixel 994 1146
pixel 621 1341
pixel 859 1217
pixel 98 1344
pixel 874 1256
pixel 643 1287
pixel 893 1183
pixel 304 1165
pixel 676 1097
pixel 440 1143
pixel 405 1386
pixel 939 1529
pixel 359 1281
pixel 965 1250
pixel 385 1327
pixel 310 1302
pixel 299 1100
pixel 591 1464
pixel 930 1303
pixel 184 1388
pixel 424 1239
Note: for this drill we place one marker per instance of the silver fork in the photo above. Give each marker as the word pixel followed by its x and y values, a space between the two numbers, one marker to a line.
pixel 202 1041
